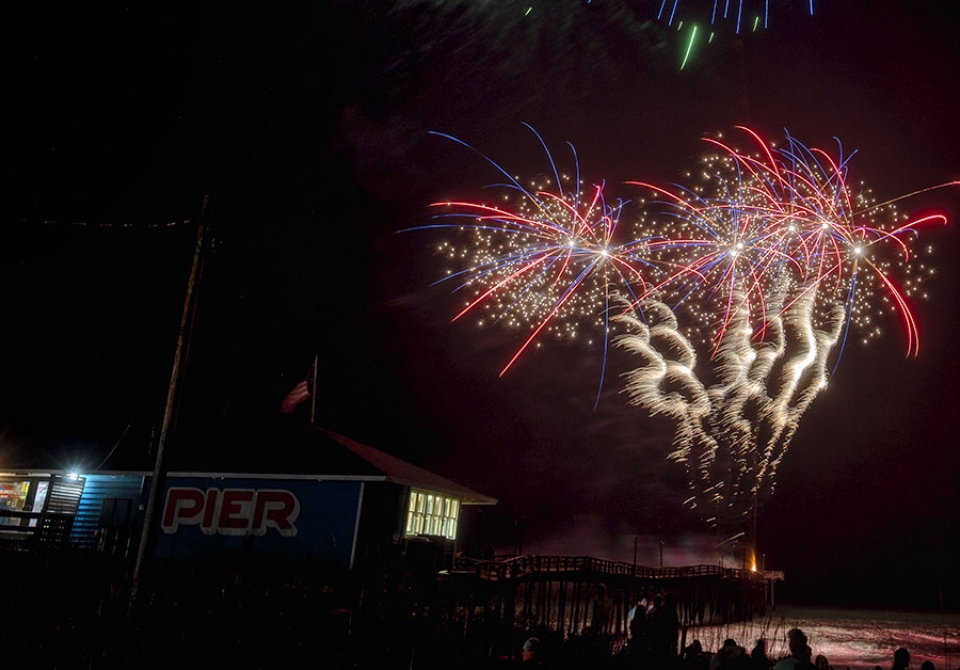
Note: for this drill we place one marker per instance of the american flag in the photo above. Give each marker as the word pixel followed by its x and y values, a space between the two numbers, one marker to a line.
pixel 297 395
pixel 301 391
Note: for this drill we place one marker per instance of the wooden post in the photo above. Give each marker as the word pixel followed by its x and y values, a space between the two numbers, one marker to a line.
pixel 562 607
pixel 169 414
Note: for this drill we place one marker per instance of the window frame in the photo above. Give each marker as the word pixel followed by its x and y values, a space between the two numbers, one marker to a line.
pixel 432 513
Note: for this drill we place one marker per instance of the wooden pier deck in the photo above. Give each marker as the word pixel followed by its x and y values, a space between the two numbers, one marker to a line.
pixel 568 594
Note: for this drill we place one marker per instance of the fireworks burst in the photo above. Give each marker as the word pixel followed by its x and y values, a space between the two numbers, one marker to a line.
pixel 768 260
pixel 699 23
pixel 744 15
pixel 543 256
pixel 772 227
pixel 764 262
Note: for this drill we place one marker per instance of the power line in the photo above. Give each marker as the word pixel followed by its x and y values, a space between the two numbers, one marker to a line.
pixel 101 224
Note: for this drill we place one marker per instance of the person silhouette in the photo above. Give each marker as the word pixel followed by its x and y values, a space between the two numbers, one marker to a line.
pixel 758 656
pixel 800 652
pixel 530 654
pixel 901 659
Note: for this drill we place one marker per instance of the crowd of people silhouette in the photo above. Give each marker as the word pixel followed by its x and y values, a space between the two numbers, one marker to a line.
pixel 653 645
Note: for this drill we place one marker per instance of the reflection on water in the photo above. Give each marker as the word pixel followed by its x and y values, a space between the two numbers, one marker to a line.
pixel 848 638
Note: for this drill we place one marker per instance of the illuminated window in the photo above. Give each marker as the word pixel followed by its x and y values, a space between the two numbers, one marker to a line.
pixel 17 501
pixel 13 497
pixel 432 514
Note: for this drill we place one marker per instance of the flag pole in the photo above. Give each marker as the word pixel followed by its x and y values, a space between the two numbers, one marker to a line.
pixel 179 356
pixel 313 391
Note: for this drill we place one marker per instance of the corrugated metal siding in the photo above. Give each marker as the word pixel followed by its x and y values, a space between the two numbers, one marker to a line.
pixel 98 489
pixel 59 510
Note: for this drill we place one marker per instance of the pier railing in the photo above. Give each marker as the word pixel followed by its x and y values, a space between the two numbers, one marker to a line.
pixel 520 566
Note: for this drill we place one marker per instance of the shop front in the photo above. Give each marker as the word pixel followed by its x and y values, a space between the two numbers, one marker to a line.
pixel 38 507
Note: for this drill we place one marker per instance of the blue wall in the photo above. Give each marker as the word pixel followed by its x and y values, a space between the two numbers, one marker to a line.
pixel 296 519
pixel 96 490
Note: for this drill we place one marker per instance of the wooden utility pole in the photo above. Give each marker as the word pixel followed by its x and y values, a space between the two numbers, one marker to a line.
pixel 169 414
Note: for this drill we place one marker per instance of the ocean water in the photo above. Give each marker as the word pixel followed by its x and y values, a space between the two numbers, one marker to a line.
pixel 855 639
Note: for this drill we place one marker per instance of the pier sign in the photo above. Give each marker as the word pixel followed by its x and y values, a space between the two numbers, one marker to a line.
pixel 283 517
pixel 231 511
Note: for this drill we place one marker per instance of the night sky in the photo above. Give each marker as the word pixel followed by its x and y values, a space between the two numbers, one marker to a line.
pixel 310 128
